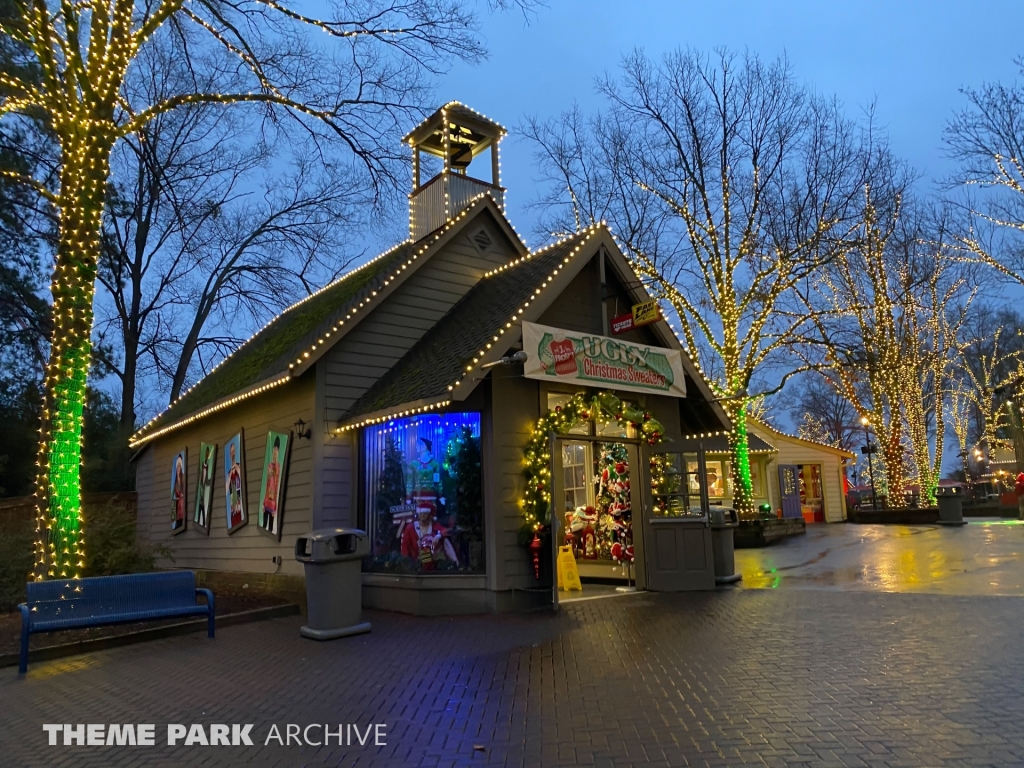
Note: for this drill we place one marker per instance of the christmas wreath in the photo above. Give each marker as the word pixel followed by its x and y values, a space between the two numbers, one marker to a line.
pixel 603 406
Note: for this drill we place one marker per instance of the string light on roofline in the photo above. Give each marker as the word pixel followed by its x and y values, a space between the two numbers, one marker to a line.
pixel 478 359
pixel 212 409
pixel 395 415
pixel 269 323
pixel 364 299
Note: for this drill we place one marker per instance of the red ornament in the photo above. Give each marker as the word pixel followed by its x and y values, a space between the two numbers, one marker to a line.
pixel 558 409
pixel 620 468
pixel 535 547
pixel 629 553
pixel 1019 487
pixel 647 416
pixel 616 551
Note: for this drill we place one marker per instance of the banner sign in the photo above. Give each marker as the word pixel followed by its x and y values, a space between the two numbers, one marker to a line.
pixel 644 313
pixel 600 361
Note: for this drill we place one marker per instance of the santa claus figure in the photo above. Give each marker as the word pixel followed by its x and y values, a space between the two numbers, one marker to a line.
pixel 426 540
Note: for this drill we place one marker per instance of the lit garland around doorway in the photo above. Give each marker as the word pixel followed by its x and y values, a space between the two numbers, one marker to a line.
pixel 604 408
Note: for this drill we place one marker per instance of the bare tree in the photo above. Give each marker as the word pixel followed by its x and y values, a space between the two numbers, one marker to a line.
pixel 987 139
pixel 206 221
pixel 855 307
pixel 933 318
pixel 358 88
pixel 729 184
pixel 821 413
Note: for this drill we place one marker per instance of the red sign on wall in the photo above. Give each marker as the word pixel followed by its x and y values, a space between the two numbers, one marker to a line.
pixel 622 323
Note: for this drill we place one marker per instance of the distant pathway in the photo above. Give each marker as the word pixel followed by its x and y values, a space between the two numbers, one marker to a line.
pixel 981 558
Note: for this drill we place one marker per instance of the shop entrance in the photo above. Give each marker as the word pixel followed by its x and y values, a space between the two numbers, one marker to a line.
pixel 596 498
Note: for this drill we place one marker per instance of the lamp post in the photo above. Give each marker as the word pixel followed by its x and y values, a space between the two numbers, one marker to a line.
pixel 867 450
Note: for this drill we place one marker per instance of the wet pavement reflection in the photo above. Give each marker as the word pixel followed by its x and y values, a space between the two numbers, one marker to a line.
pixel 985 557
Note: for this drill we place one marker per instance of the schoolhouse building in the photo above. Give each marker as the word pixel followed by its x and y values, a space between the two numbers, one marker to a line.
pixel 404 398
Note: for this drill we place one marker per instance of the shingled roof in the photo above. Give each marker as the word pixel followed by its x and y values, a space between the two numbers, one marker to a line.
pixel 270 350
pixel 441 356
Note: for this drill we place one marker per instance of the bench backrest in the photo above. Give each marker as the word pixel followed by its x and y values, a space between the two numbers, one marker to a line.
pixel 110 595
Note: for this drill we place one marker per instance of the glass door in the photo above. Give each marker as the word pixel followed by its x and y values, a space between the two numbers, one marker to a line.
pixel 677 539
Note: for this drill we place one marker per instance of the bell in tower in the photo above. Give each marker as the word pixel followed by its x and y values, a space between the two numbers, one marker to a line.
pixel 457 135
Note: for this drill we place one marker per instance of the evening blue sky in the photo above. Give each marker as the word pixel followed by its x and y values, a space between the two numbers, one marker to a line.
pixel 910 57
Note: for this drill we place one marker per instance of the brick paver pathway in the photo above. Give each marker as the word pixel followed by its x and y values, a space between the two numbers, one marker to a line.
pixel 754 677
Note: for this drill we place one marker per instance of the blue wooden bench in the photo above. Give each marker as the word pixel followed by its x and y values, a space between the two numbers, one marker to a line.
pixel 52 606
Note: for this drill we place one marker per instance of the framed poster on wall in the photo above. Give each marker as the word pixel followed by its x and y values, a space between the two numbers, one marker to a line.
pixel 204 487
pixel 275 472
pixel 234 482
pixel 178 489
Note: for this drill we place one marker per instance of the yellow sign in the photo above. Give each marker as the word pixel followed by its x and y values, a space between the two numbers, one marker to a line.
pixel 568 575
pixel 645 312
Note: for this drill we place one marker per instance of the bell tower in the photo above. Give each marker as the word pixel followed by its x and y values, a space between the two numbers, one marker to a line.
pixel 457 135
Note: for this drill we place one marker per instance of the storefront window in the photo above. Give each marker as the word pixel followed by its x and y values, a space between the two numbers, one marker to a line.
pixel 424 495
pixel 755 478
pixel 717 478
pixel 675 491
pixel 575 474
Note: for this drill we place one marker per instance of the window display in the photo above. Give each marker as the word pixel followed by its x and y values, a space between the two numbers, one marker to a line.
pixel 424 497
pixel 716 476
pixel 675 493
pixel 601 528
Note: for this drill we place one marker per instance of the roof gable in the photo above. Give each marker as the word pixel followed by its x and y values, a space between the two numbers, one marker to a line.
pixel 445 365
pixel 778 435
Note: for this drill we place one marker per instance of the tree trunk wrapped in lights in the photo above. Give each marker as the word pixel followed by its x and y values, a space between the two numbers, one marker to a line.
pixel 83 175
pixel 257 52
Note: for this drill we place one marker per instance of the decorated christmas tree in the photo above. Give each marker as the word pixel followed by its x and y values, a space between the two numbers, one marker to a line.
pixel 390 493
pixel 613 499
pixel 462 467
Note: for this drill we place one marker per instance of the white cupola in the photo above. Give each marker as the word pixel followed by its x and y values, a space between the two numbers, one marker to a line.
pixel 457 135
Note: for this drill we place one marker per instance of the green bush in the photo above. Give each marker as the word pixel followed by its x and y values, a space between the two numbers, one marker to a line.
pixel 110 548
pixel 110 544
pixel 16 559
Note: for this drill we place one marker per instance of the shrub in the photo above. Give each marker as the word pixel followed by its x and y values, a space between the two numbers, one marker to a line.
pixel 16 560
pixel 110 548
pixel 110 543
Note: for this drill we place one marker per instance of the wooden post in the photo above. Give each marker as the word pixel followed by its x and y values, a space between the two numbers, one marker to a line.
pixel 495 164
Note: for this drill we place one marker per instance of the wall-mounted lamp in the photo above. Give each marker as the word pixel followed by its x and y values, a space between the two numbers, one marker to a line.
pixel 518 357
pixel 302 431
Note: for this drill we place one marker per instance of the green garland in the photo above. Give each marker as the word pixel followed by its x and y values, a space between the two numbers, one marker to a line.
pixel 604 406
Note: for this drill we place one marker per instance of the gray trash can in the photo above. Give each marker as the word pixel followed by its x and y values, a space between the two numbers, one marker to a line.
pixel 951 506
pixel 332 558
pixel 723 522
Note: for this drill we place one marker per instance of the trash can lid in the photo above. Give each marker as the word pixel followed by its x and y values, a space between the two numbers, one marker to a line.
pixel 327 534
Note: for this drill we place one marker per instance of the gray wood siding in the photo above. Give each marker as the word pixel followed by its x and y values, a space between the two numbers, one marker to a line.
pixel 380 340
pixel 247 549
pixel 578 307
pixel 515 410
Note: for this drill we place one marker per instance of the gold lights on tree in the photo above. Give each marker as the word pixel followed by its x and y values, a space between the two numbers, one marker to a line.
pixel 80 57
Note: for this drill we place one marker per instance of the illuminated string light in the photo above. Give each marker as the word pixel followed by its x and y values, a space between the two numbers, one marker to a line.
pixel 535 503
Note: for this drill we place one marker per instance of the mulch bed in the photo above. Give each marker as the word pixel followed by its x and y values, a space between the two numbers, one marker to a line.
pixel 226 602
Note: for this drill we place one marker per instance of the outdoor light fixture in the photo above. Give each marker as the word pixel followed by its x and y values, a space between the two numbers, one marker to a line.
pixel 302 431
pixel 518 357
